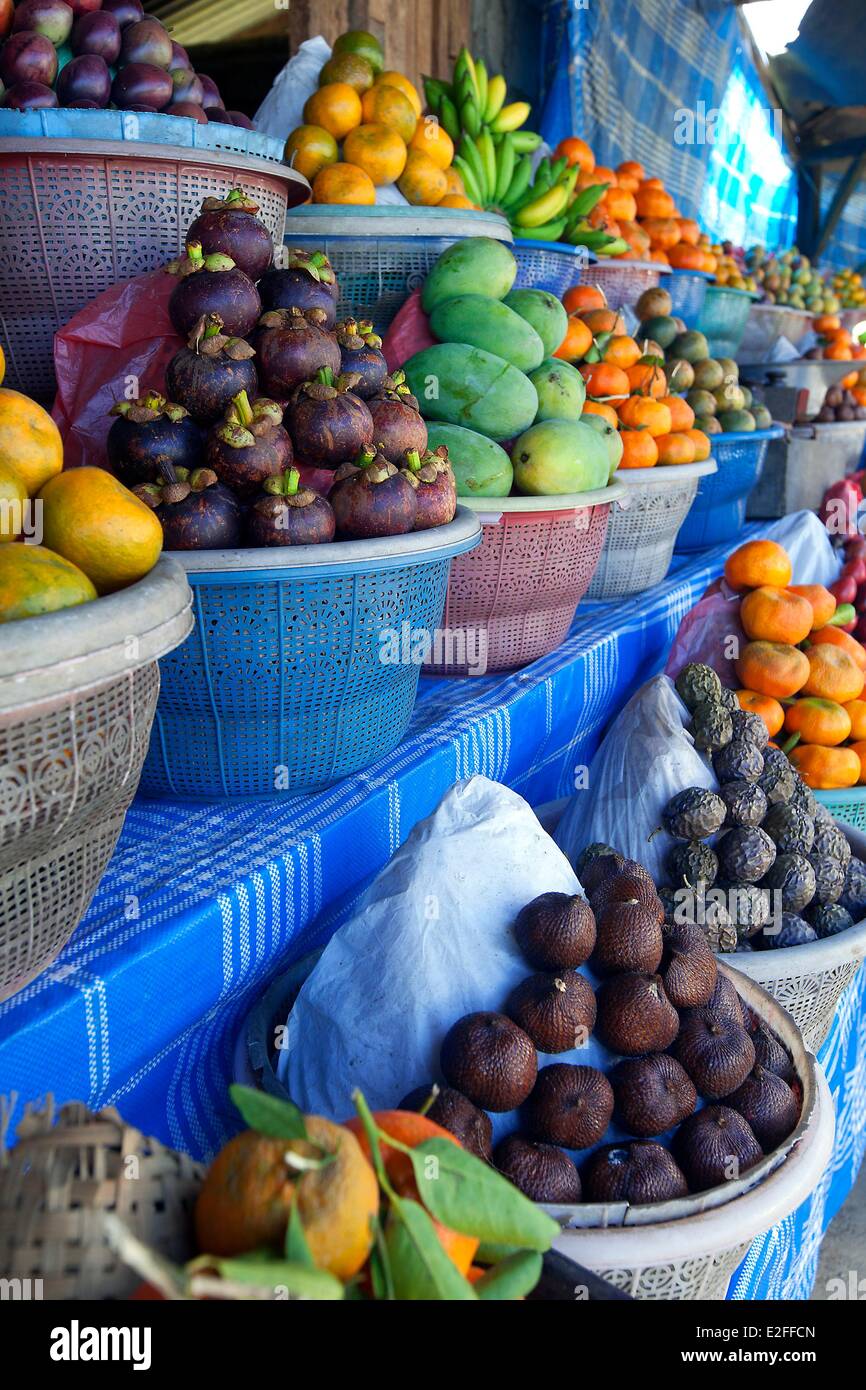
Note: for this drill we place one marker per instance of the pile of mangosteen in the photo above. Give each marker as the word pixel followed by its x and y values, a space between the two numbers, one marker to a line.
pixel 269 384
pixel 700 1090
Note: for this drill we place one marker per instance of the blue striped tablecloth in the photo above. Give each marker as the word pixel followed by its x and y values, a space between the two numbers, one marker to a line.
pixel 202 905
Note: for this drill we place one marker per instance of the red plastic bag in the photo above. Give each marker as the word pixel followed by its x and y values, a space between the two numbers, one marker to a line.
pixel 408 334
pixel 118 346
pixel 710 633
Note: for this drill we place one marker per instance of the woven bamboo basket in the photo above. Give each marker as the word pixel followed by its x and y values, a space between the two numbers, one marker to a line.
pixel 65 1174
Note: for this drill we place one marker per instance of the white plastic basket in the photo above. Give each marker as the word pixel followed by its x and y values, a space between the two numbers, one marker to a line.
pixel 767 324
pixel 623 282
pixel 643 527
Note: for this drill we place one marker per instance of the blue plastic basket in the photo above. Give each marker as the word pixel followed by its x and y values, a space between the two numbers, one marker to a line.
pixel 723 318
pixel 719 509
pixel 303 664
pixel 549 265
pixel 687 289
pixel 139 127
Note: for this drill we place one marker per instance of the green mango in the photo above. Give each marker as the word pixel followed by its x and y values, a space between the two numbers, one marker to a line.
pixel 545 312
pixel 488 324
pixel 761 416
pixel 611 437
pixel 661 328
pixel 709 374
pixel 475 265
pixel 701 402
pixel 560 456
pixel 729 397
pixel 467 386
pixel 691 345
pixel 561 390
pixel 736 421
pixel 481 468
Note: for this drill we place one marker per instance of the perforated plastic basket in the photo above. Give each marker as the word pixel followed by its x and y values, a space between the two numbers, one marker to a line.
pixel 624 282
pixel 513 599
pixel 848 804
pixel 77 696
pixel 766 324
pixel 643 526
pixel 723 319
pixel 719 509
pixel 687 289
pixel 303 665
pixel 76 216
pixel 549 265
pixel 381 254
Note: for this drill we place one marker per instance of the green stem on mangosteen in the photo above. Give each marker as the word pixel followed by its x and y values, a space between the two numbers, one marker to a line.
pixel 243 409
pixel 195 255
pixel 413 460
pixel 217 261
pixel 291 484
pixel 365 457
pixel 201 478
pixel 325 376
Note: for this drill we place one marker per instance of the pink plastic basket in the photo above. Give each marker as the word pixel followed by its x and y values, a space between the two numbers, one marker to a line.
pixel 513 599
pixel 624 282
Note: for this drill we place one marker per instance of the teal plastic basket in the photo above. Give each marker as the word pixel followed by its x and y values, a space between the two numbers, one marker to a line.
pixel 303 664
pixel 847 804
pixel 723 319
pixel 718 512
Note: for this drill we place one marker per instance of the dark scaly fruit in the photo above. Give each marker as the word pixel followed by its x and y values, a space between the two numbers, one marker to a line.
pixel 599 868
pixel 569 1105
pixel 790 930
pixel 640 1173
pixel 688 967
pixel 777 779
pixel 749 905
pixel 853 895
pixel 718 928
pixel 691 862
pixel 794 878
pixel 635 1015
pixel 829 879
pixel 488 1058
pixel 728 698
pixel 725 1001
pixel 768 1104
pixel 746 854
pixel 822 815
pixel 830 842
pixel 542 1172
pixel 770 1053
pixel 597 850
pixel 715 1145
pixel 628 937
pixel 694 814
pixel 741 758
pixel 746 802
pixel 717 1053
pixel 828 919
pixel 749 726
pixel 556 931
pixel 557 1012
pixel 790 829
pixel 697 683
pixel 711 727
pixel 804 798
pixel 626 887
pixel 456 1113
pixel 651 1094
pixel 668 898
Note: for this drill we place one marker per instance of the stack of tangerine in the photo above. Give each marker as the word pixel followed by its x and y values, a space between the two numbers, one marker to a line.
pixel 626 385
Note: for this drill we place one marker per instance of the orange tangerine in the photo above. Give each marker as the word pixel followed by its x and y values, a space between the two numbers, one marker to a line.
pixel 385 104
pixel 639 449
pixel 377 150
pixel 309 149
pixel 344 183
pixel 336 107
pixel 433 139
pixel 402 83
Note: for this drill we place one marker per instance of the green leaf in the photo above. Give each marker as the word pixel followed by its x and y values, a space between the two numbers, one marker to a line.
pixel 513 1278
pixel 466 1194
pixel 296 1279
pixel 419 1266
pixel 380 1265
pixel 276 1119
pixel 296 1248
pixel 488 1253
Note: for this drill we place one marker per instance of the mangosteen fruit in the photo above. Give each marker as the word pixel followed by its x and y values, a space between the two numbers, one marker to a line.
pixel 148 433
pixel 195 510
pixel 229 227
pixel 435 486
pixel 770 1053
pixel 627 887
pixel 688 967
pixel 628 937
pixel 249 445
pixel 212 284
pixel 284 513
pixel 635 1014
pixel 569 1105
pixel 210 371
pixel 717 1052
pixel 769 1105
pixel 489 1059
pixel 694 814
pixel 362 355
pixel 652 1094
pixel 292 347
pixel 639 1173
pixel 456 1113
pixel 556 931
pixel 542 1172
pixel 307 281
pixel 397 423
pixel 715 1145
pixel 557 1012
pixel 375 500
pixel 328 421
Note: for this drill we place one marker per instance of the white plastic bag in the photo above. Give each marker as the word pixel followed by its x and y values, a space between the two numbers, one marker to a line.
pixel 283 107
pixel 804 536
pixel 645 757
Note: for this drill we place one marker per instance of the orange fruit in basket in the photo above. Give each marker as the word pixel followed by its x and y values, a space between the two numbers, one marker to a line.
pixel 250 1188
pixel 675 448
pixel 603 321
pixel 827 769
pixel 682 415
pixel 642 412
pixel 639 449
pixel 577 341
pixel 860 749
pixel 646 379
pixel 775 615
pixel 826 323
pixel 633 171
pixel 835 637
pixel 336 107
pixel 656 254
pixel 757 563
pixel 412 1129
pixel 773 668
pixel 352 68
pixel 818 721
pixel 309 149
pixel 701 441
pixel 620 204
pixel 91 519
pixel 344 183
pixel 822 601
pixel 433 139
pixel 621 350
pixel 606 412
pixel 576 151
pixel 857 714
pixel 838 352
pixel 377 150
pixel 603 379
pixel 454 183
pixel 422 182
pixel 772 713
pixel 402 83
pixel 833 674
pixel 385 104
pixel 690 232
pixel 582 297
pixel 35 580
pixel 455 200
pixel 30 443
pixel 654 202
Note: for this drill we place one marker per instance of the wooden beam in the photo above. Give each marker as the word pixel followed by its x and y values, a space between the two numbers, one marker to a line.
pixel 808 209
pixel 828 154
